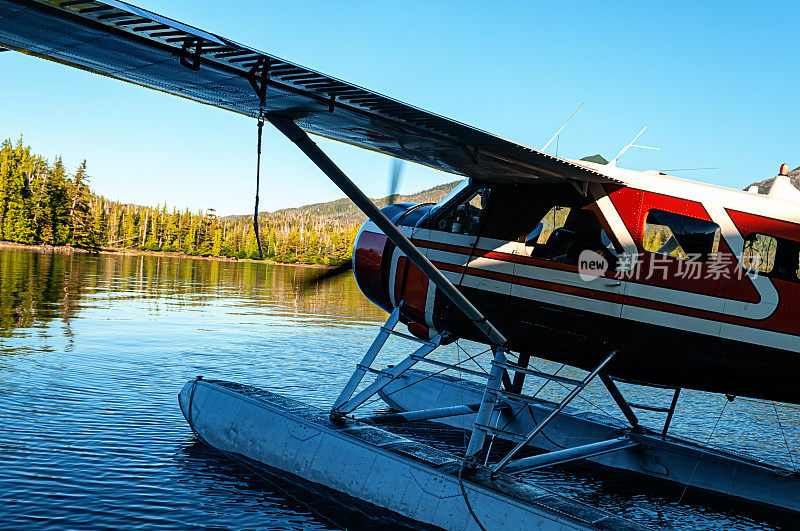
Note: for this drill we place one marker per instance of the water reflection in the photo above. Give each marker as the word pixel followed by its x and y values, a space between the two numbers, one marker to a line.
pixel 36 287
pixel 93 351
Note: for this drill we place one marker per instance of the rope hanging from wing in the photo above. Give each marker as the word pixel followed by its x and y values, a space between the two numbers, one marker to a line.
pixel 258 77
pixel 258 178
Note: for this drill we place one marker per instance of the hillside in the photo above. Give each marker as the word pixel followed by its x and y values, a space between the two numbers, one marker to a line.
pixel 344 211
pixel 764 186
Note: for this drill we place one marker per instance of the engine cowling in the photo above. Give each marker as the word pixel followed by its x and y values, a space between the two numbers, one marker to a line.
pixel 368 253
pixel 371 252
pixel 378 264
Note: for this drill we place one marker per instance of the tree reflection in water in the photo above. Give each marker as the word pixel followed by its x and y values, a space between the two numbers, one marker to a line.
pixel 38 287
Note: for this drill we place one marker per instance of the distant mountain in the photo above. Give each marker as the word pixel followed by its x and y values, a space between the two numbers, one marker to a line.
pixel 345 211
pixel 597 159
pixel 764 186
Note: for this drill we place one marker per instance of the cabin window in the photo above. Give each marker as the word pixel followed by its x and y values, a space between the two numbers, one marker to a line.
pixel 465 217
pixel 565 232
pixel 759 253
pixel 680 236
pixel 554 219
pixel 772 256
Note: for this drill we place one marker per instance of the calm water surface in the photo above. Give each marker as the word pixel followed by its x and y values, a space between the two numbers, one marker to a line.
pixel 93 351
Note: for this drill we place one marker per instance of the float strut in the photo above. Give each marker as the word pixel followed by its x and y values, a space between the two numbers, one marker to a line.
pixel 570 454
pixel 369 357
pixel 553 414
pixel 386 378
pixel 620 400
pixel 423 414
pixel 671 412
pixel 487 407
pixel 519 376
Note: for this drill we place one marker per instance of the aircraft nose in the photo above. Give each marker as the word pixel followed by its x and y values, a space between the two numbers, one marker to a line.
pixel 368 252
pixel 370 249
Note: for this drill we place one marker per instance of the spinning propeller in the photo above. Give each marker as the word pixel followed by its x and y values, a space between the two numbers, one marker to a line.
pixel 395 175
pixel 394 181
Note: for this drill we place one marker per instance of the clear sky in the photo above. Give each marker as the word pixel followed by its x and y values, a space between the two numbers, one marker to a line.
pixel 717 84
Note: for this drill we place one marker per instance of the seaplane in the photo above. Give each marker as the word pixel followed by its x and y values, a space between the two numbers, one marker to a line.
pixel 635 278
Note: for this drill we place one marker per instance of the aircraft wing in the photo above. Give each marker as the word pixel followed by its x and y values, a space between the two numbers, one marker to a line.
pixel 125 42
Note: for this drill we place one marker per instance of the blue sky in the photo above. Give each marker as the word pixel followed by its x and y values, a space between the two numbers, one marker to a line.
pixel 716 84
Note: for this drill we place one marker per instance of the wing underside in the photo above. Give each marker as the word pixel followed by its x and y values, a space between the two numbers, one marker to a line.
pixel 121 41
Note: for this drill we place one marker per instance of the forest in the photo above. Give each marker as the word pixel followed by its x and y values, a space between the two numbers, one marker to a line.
pixel 42 203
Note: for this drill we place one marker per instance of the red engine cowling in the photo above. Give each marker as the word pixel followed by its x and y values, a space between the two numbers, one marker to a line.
pixel 378 275
pixel 368 268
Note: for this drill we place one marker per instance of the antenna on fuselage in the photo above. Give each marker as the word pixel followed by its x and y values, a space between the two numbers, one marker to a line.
pixel 613 162
pixel 561 128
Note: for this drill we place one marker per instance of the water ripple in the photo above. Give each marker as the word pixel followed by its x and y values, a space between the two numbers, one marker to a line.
pixel 93 351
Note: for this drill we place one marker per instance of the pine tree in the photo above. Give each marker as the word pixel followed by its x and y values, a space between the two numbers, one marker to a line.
pixel 80 215
pixel 130 226
pixel 41 198
pixel 100 226
pixel 18 207
pixel 57 211
pixel 39 203
pixel 6 183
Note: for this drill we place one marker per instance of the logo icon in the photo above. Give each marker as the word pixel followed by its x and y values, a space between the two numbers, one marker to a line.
pixel 591 265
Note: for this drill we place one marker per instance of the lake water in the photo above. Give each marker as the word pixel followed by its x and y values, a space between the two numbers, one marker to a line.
pixel 93 351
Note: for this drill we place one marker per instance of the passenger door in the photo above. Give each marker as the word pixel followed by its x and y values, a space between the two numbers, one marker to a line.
pixel 568 266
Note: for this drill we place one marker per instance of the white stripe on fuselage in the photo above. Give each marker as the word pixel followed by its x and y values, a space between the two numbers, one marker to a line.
pixel 756 311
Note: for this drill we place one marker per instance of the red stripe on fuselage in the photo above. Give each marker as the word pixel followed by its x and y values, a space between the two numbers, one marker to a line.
pixel 633 207
pixel 674 308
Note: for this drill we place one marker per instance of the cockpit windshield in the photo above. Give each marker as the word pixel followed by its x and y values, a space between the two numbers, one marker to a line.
pixel 463 215
pixel 454 192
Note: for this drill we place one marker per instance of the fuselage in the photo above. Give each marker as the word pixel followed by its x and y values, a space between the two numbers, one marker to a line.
pixel 697 285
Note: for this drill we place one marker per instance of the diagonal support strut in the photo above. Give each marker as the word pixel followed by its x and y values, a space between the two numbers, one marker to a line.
pixel 488 405
pixel 553 414
pixel 294 133
pixel 386 378
pixel 369 357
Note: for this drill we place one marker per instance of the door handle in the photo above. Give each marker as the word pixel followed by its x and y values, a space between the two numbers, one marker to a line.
pixel 613 284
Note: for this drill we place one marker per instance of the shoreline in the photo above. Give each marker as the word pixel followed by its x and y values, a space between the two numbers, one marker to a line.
pixel 70 249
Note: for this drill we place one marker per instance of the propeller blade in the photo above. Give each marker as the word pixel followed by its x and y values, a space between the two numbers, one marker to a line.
pixel 328 274
pixel 394 180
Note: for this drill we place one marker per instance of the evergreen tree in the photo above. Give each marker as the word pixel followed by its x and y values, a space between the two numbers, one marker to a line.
pixel 130 226
pixel 6 183
pixel 81 223
pixel 100 227
pixel 41 198
pixel 18 203
pixel 57 212
pixel 39 203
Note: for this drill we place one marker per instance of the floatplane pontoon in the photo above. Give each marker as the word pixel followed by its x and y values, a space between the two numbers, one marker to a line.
pixel 630 276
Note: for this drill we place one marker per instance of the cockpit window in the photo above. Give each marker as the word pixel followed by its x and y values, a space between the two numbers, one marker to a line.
pixel 772 256
pixel 554 219
pixel 465 217
pixel 454 192
pixel 759 253
pixel 564 233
